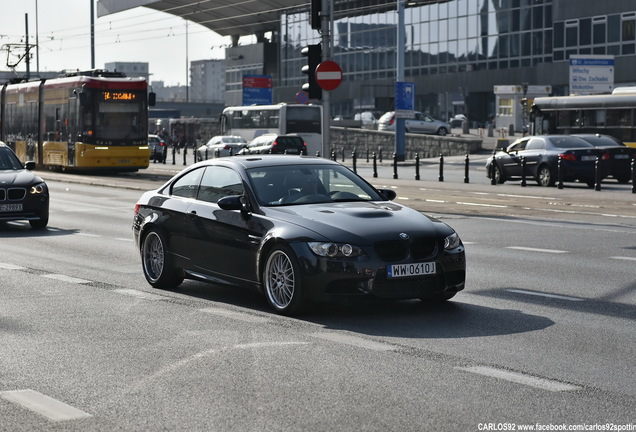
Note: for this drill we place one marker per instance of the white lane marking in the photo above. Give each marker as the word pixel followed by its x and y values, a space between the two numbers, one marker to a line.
pixel 354 341
pixel 202 354
pixel 519 378
pixel 623 258
pixel 235 315
pixel 267 344
pixel 7 266
pixel 65 278
pixel 529 249
pixel 139 294
pixel 526 196
pixel 435 201
pixel 124 239
pixel 482 205
pixel 88 235
pixel 44 405
pixel 538 294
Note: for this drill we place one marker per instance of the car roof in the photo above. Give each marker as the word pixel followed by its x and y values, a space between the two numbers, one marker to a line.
pixel 256 161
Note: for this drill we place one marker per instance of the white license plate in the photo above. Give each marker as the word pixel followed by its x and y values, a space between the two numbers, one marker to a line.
pixel 588 158
pixel 10 207
pixel 621 156
pixel 406 270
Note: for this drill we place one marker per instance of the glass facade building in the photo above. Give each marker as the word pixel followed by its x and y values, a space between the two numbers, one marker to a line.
pixel 455 51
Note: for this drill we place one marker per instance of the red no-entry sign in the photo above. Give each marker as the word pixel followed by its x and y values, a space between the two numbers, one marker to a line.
pixel 328 75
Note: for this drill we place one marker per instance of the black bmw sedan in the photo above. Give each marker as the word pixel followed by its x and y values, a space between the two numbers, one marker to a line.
pixel 23 195
pixel 540 154
pixel 299 229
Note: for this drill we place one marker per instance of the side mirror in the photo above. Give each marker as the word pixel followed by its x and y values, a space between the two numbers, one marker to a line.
pixel 235 202
pixel 232 202
pixel 29 165
pixel 152 98
pixel 389 194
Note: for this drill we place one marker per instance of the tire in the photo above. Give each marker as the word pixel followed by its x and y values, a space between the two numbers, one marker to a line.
pixel 544 176
pixel 40 223
pixel 281 281
pixel 499 175
pixel 157 263
pixel 442 131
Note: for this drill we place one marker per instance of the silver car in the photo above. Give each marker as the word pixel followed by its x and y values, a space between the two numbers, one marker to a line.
pixel 421 123
pixel 221 146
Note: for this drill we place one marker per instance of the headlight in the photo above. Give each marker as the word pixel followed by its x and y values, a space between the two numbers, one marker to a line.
pixel 37 189
pixel 335 250
pixel 452 241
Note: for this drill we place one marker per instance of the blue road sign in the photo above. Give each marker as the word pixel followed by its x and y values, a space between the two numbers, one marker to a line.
pixel 404 99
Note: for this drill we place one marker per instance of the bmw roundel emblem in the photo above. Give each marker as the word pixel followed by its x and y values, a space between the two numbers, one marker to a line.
pixel 404 236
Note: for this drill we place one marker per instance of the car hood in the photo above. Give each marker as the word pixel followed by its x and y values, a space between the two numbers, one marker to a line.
pixel 360 222
pixel 17 178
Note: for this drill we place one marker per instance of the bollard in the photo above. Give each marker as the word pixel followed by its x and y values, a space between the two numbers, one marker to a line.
pixel 417 166
pixel 597 174
pixel 560 173
pixel 343 155
pixel 523 171
pixel 395 175
pixel 185 152
pixel 441 168
pixel 353 159
pixel 375 165
pixel 367 155
pixel 333 155
pixel 380 154
pixel 174 152
pixel 466 168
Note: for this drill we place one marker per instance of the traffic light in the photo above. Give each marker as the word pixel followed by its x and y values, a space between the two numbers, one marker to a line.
pixel 314 57
pixel 314 16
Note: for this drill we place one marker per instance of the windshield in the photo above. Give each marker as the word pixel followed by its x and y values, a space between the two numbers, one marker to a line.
pixel 568 142
pixel 293 185
pixel 8 160
pixel 119 120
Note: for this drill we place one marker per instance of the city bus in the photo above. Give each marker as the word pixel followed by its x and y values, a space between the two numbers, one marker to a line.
pixel 252 121
pixel 81 121
pixel 610 114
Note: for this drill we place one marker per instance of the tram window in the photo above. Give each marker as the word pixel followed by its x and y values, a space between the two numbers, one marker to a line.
pixel 566 119
pixel 601 117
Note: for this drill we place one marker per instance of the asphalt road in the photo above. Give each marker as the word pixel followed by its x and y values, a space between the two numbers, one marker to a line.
pixel 543 334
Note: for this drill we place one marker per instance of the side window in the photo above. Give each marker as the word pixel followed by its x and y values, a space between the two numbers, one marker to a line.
pixel 187 185
pixel 219 182
pixel 535 144
pixel 521 145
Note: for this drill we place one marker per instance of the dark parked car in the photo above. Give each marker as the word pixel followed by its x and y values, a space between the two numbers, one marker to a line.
pixel 620 156
pixel 299 229
pixel 276 144
pixel 23 195
pixel 158 148
pixel 541 154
